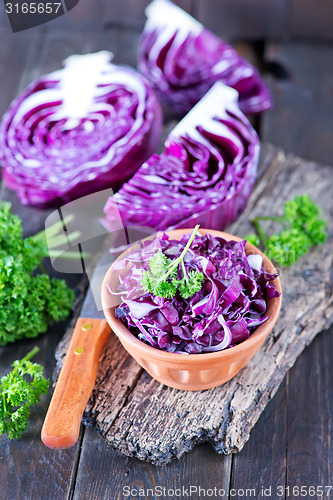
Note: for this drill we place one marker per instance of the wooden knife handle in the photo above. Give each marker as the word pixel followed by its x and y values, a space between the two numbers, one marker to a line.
pixel 75 384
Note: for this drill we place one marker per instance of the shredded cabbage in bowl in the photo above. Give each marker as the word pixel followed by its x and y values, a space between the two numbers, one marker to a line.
pixel 231 303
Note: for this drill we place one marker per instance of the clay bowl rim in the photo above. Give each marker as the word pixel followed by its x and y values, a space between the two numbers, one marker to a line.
pixel 256 337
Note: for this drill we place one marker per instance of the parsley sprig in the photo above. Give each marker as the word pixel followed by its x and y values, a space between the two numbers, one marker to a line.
pixel 162 279
pixel 20 389
pixel 302 229
pixel 29 301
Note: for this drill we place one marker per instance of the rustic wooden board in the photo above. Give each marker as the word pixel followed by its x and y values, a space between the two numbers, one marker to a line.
pixel 309 461
pixel 301 82
pixel 245 19
pixel 104 473
pixel 266 449
pixel 13 70
pixel 311 21
pixel 99 14
pixel 278 20
pixel 142 418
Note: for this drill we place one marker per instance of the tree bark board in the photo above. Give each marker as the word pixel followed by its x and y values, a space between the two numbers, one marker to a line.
pixel 307 288
pixel 142 418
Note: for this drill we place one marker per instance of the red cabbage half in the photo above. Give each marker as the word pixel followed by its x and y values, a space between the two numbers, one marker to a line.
pixel 83 128
pixel 230 305
pixel 204 176
pixel 182 60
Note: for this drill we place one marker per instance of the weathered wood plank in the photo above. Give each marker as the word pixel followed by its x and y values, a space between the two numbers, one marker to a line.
pixel 240 19
pixel 27 464
pixel 96 477
pixel 262 462
pixel 310 414
pixel 301 120
pixel 156 423
pixel 58 46
pixel 278 20
pixel 4 23
pixel 245 19
pixel 311 20
pixel 20 459
pixel 123 44
pixel 25 46
pixel 132 12
pixel 54 47
pixel 231 19
pixel 97 15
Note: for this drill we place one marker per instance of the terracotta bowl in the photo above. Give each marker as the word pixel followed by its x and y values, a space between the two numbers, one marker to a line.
pixel 192 372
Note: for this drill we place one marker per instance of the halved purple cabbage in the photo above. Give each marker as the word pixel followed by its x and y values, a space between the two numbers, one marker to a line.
pixel 230 305
pixel 182 60
pixel 204 176
pixel 83 128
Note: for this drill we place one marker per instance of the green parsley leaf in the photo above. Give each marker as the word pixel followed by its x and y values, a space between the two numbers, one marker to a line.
pixel 162 280
pixel 253 239
pixel 29 302
pixel 302 229
pixel 20 389
pixel 158 264
pixel 287 246
pixel 191 286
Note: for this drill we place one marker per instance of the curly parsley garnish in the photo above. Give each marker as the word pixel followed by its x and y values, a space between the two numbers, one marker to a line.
pixel 29 301
pixel 162 279
pixel 20 389
pixel 302 229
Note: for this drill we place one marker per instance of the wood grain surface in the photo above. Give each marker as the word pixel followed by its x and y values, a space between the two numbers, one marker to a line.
pixel 300 102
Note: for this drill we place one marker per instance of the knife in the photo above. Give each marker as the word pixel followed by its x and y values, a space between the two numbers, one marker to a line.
pixel 78 373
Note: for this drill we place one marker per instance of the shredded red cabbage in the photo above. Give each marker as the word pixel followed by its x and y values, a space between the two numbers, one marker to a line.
pixel 204 176
pixel 182 60
pixel 230 305
pixel 84 128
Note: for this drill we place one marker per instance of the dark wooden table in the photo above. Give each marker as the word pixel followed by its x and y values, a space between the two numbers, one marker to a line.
pixel 290 446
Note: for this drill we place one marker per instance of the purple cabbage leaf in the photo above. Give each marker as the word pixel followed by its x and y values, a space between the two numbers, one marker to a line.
pixel 204 175
pixel 78 130
pixel 182 60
